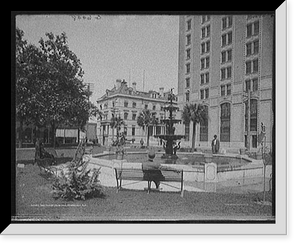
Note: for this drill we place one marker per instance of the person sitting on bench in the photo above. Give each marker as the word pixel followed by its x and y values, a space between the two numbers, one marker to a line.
pixel 151 170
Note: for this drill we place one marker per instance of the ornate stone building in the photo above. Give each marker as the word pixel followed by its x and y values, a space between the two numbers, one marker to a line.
pixel 127 102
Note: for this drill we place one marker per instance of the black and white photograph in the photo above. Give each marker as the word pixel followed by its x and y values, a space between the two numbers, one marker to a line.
pixel 155 118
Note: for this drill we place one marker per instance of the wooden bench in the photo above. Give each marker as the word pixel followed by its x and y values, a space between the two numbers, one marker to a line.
pixel 149 176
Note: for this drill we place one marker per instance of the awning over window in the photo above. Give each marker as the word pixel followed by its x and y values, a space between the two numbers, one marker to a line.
pixel 67 133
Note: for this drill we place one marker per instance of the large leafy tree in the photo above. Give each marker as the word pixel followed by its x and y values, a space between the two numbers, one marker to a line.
pixel 50 88
pixel 146 119
pixel 194 113
pixel 21 82
pixel 30 72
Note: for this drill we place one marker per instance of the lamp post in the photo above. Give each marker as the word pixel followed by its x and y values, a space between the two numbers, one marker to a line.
pixel 90 88
pixel 263 133
pixel 248 109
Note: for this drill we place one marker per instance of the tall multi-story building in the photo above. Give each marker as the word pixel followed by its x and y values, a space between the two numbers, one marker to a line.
pixel 127 102
pixel 225 62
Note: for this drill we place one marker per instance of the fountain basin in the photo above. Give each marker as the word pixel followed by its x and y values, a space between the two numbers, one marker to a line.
pixel 229 166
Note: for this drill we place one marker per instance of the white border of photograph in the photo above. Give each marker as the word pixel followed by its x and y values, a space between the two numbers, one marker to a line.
pixel 280 226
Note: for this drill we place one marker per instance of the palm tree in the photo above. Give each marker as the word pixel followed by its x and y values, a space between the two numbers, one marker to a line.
pixel 196 113
pixel 116 122
pixel 147 119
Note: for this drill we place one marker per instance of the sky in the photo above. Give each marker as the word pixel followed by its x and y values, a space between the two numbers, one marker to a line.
pixel 136 48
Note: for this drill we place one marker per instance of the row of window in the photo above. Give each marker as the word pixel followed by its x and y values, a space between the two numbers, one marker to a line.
pixel 252 66
pixel 126 115
pixel 250 84
pixel 204 79
pixel 126 105
pixel 226 56
pixel 105 105
pixel 226 73
pixel 205 33
pixel 158 130
pixel 252 29
pixel 205 48
pixel 106 130
pixel 226 39
pixel 226 90
pixel 133 116
pixel 252 48
pixel 204 93
pixel 204 63
pixel 226 22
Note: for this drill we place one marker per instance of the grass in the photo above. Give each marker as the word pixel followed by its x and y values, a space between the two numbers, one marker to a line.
pixel 34 201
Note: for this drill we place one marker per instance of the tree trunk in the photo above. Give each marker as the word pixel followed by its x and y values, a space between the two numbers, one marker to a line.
pixel 35 134
pixel 194 136
pixel 147 136
pixel 53 127
pixel 78 135
pixel 112 134
pixel 21 134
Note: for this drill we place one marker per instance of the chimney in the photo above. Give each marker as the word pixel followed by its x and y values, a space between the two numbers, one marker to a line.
pixel 134 86
pixel 118 83
pixel 161 91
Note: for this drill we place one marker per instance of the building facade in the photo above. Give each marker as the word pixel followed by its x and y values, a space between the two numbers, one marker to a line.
pixel 226 64
pixel 127 102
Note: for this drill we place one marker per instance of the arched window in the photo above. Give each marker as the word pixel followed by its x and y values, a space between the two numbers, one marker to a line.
pixel 253 115
pixel 225 122
pixel 204 127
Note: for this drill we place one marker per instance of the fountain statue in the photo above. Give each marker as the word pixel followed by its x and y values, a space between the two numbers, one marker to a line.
pixel 169 139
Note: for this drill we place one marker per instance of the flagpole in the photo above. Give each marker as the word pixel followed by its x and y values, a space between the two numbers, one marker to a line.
pixel 143 80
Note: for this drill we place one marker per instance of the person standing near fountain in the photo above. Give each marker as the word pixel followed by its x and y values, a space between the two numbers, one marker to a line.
pixel 215 145
pixel 151 170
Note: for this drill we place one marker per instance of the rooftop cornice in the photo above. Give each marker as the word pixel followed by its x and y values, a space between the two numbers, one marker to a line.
pixel 138 97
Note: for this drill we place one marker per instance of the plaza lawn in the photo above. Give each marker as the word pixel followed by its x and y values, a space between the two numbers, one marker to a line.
pixel 35 202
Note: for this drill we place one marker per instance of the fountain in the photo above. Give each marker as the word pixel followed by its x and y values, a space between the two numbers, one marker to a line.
pixel 170 145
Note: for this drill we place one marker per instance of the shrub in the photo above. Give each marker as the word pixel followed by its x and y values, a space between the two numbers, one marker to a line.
pixel 75 186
